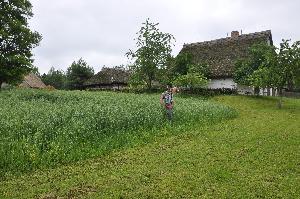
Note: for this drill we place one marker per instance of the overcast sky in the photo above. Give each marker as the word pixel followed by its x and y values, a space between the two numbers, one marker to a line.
pixel 102 31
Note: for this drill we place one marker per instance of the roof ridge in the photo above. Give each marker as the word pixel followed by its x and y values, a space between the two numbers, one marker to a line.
pixel 221 40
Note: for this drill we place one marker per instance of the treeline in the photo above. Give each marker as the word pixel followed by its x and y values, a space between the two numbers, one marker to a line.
pixel 73 78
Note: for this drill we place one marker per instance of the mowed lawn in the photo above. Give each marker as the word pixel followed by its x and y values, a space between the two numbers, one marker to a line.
pixel 256 155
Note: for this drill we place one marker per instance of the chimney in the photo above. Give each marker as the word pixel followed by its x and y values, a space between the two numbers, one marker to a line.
pixel 235 34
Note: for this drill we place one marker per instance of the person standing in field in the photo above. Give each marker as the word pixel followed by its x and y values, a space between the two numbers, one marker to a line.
pixel 166 100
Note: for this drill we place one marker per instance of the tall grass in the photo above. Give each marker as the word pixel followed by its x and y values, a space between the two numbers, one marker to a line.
pixel 42 129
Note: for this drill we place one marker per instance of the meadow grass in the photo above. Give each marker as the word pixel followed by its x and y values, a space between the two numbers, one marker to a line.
pixel 255 155
pixel 42 129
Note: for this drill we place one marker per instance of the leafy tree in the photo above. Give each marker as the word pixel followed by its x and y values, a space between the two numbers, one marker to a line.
pixel 276 70
pixel 78 73
pixel 244 68
pixel 182 64
pixel 16 40
pixel 152 54
pixel 191 80
pixel 289 60
pixel 55 78
pixel 194 78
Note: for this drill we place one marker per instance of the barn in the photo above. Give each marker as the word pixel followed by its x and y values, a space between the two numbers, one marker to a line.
pixel 221 55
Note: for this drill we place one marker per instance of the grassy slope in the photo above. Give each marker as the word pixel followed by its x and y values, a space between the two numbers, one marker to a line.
pixel 254 155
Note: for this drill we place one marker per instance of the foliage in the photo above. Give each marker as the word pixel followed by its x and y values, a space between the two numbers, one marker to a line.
pixel 267 68
pixel 152 54
pixel 182 64
pixel 136 81
pixel 55 78
pixel 270 69
pixel 196 75
pixel 289 61
pixel 207 92
pixel 35 70
pixel 191 80
pixel 244 68
pixel 78 73
pixel 43 129
pixel 267 75
pixel 16 40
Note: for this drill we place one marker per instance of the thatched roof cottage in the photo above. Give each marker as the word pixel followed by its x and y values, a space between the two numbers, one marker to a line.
pixel 221 54
pixel 109 78
pixel 32 81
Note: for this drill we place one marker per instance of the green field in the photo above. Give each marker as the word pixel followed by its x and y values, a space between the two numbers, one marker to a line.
pixel 41 129
pixel 209 151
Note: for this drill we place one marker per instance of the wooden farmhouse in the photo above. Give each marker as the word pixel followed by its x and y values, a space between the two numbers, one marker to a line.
pixel 221 54
pixel 109 79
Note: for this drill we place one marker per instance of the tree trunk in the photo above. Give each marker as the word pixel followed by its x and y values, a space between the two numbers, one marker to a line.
pixel 273 92
pixel 290 84
pixel 280 98
pixel 256 91
pixel 149 84
pixel 0 84
pixel 268 92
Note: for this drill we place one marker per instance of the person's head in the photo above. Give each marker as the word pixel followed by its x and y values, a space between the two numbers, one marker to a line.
pixel 175 90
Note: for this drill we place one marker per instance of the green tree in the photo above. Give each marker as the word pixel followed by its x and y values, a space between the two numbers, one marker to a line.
pixel 182 64
pixel 289 60
pixel 55 78
pixel 78 73
pixel 278 68
pixel 16 40
pixel 152 54
pixel 244 68
pixel 194 78
pixel 191 80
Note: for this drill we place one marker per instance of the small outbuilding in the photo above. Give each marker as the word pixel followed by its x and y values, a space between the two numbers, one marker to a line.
pixel 32 81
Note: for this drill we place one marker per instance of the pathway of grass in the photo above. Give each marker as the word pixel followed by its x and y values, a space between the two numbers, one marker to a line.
pixel 256 155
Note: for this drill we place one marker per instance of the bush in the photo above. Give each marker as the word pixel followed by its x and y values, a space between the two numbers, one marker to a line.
pixel 209 92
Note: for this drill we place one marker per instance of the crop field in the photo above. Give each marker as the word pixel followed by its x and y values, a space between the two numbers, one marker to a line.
pixel 42 129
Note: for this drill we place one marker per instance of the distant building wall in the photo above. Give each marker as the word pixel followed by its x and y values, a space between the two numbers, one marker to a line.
pixel 221 83
pixel 228 83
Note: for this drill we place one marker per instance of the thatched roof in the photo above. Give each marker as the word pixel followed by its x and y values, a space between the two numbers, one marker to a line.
pixel 32 81
pixel 109 76
pixel 221 54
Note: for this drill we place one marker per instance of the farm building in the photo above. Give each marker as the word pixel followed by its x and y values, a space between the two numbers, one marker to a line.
pixel 30 81
pixel 221 54
pixel 109 78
